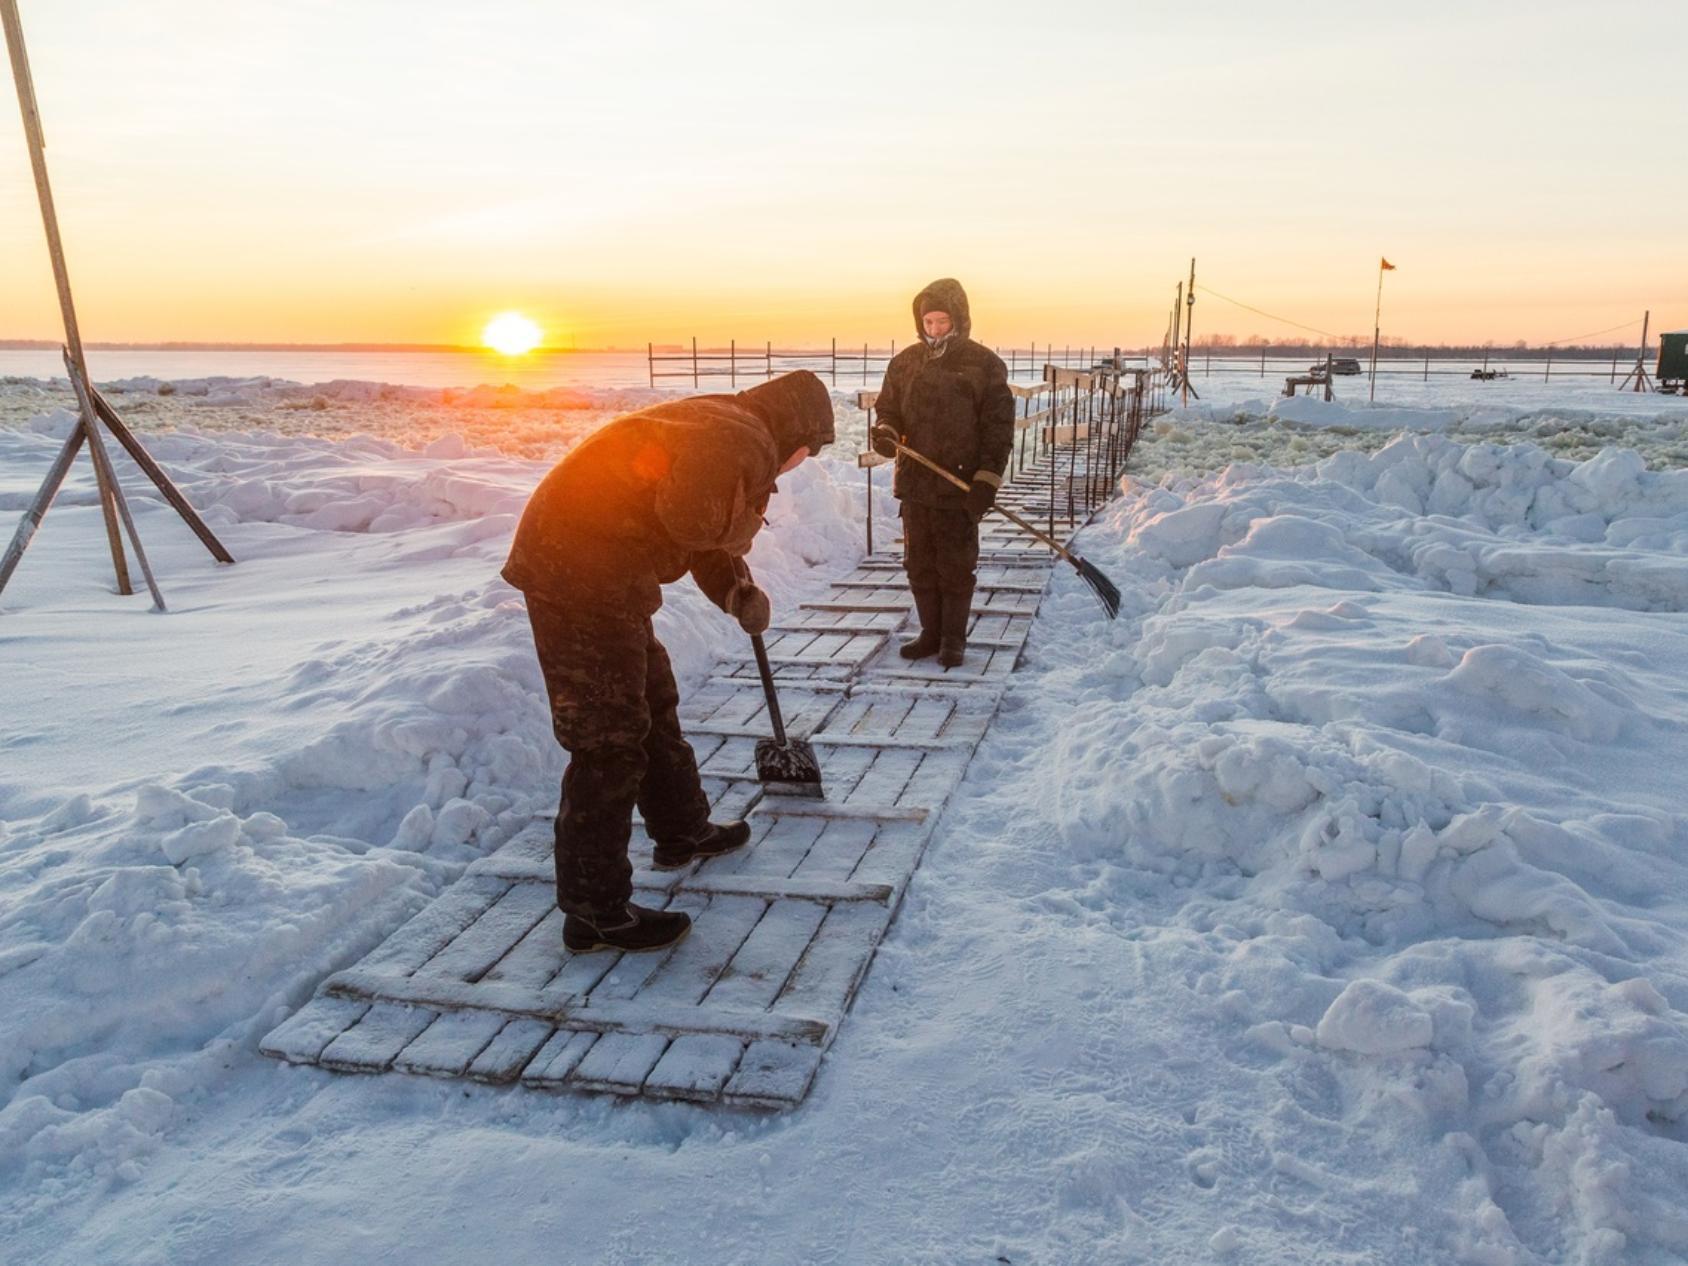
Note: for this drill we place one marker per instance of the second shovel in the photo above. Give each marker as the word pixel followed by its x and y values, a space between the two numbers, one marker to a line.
pixel 784 766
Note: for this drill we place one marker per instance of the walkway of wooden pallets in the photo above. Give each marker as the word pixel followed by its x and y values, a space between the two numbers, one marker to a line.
pixel 478 984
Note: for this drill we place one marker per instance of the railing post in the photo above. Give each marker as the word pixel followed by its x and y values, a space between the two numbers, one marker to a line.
pixel 694 362
pixel 864 364
pixel 650 361
pixel 768 360
pixel 732 363
pixel 1549 372
pixel 835 362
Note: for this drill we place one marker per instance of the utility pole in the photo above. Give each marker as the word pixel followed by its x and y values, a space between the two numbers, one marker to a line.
pixel 1639 373
pixel 1189 323
pixel 1383 266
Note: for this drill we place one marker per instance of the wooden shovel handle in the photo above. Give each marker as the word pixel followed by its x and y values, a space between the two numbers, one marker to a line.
pixel 1004 511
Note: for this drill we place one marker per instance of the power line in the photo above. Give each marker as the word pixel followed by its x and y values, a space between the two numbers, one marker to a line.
pixel 1270 316
pixel 1591 334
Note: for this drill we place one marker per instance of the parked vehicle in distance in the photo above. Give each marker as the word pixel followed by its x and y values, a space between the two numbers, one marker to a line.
pixel 1340 367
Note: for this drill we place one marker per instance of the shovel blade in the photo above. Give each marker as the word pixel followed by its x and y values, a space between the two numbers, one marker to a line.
pixel 789 768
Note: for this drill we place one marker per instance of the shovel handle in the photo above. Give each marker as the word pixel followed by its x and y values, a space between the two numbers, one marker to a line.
pixel 1004 511
pixel 768 687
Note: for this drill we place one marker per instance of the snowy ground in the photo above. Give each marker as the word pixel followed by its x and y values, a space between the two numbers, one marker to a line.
pixel 1329 906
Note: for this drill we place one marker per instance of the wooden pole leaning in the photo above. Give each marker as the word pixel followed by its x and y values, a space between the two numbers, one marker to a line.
pixel 92 409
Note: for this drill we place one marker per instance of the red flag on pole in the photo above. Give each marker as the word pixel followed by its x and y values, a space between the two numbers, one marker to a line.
pixel 1386 266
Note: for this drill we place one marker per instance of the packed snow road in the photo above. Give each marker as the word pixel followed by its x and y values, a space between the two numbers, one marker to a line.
pixel 1327 906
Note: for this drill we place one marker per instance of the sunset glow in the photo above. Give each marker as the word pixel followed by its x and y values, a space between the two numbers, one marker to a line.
pixel 1285 148
pixel 511 333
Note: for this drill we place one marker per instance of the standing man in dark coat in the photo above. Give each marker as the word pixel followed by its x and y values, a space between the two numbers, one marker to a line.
pixel 678 487
pixel 947 398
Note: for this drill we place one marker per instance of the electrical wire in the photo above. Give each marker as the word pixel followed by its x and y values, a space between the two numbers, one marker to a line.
pixel 1591 334
pixel 1270 316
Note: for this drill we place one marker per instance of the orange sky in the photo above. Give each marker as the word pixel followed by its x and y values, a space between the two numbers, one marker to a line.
pixel 386 171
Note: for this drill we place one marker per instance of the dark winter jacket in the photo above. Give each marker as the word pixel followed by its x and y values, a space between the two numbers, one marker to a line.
pixel 680 486
pixel 952 405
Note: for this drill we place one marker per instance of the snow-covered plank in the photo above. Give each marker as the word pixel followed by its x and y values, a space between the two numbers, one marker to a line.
pixel 826 977
pixel 796 807
pixel 300 1038
pixel 511 1051
pixel 539 955
pixel 937 777
pixel 371 1044
pixel 550 1068
pixel 757 973
pixel 884 780
pixel 437 924
pixel 695 1066
pixel 618 1063
pixel 772 1075
pixel 448 1045
pixel 780 843
pixel 473 951
pixel 620 1014
pixel 836 855
pixel 697 962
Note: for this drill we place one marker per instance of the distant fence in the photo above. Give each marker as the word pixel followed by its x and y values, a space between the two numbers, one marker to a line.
pixel 837 362
pixel 1535 365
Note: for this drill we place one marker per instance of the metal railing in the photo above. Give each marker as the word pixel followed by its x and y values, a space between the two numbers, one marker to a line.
pixel 833 362
pixel 1100 410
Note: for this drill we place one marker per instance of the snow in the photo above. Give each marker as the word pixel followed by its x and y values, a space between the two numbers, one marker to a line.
pixel 1327 904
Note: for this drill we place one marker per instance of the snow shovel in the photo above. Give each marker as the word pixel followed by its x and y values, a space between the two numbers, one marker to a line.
pixel 1107 593
pixel 784 766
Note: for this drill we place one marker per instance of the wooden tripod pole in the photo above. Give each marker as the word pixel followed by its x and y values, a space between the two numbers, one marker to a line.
pixel 110 494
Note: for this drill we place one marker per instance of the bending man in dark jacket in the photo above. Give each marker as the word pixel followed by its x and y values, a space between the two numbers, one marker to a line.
pixel 947 398
pixel 679 487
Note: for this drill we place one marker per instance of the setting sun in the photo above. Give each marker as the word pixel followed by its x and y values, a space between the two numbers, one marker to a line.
pixel 511 333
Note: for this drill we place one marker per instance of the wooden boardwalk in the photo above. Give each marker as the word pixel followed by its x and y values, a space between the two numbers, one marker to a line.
pixel 478 984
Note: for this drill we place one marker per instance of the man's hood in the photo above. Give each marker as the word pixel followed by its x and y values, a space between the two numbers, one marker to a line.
pixel 797 410
pixel 949 294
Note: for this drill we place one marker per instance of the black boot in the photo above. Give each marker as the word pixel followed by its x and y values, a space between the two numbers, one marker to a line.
pixel 633 929
pixel 712 841
pixel 952 642
pixel 928 604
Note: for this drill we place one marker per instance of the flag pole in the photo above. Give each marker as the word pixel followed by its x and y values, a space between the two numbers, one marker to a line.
pixel 1377 329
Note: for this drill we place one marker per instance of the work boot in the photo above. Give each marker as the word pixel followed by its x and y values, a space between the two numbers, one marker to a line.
pixel 632 929
pixel 928 604
pixel 712 841
pixel 952 643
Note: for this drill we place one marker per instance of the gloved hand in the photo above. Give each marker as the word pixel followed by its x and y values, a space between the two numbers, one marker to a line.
pixel 749 605
pixel 884 440
pixel 981 496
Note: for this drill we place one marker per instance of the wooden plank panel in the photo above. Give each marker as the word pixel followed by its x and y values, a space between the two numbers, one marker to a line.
pixel 489 938
pixel 448 1045
pixel 834 963
pixel 885 779
pixel 618 1063
pixel 838 851
pixel 437 924
pixel 695 1066
pixel 551 1067
pixel 773 1075
pixel 780 843
pixel 758 971
pixel 300 1038
pixel 697 962
pixel 371 1044
pixel 511 1051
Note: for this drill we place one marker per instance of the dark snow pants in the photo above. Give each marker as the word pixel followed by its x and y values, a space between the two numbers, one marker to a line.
pixel 614 706
pixel 941 557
